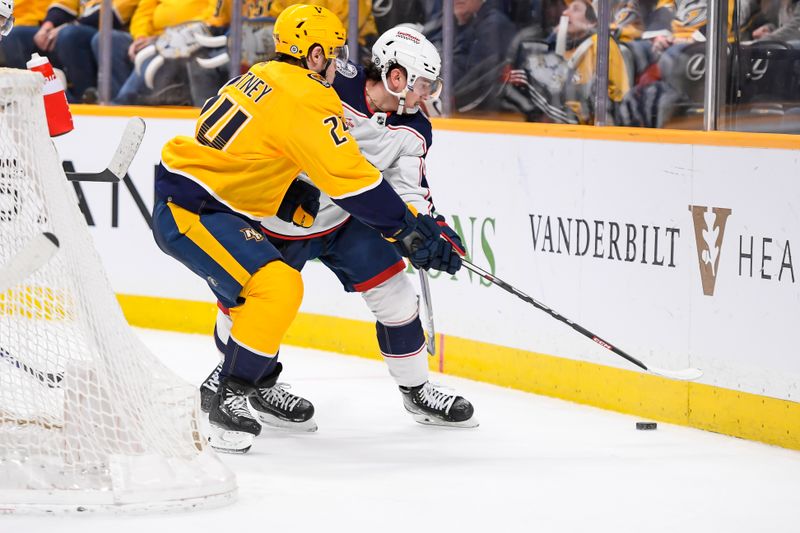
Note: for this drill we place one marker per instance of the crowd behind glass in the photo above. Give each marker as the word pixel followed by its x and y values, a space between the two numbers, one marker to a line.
pixel 518 60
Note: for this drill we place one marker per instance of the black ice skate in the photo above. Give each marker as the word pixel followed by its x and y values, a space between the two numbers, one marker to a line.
pixel 277 407
pixel 434 405
pixel 232 426
pixel 208 388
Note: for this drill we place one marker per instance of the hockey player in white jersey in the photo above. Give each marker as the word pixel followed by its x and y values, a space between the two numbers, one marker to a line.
pixel 6 17
pixel 381 106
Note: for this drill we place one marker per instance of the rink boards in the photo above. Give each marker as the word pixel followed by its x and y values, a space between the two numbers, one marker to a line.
pixel 682 248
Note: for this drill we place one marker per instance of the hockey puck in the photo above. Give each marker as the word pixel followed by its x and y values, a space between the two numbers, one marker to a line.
pixel 646 425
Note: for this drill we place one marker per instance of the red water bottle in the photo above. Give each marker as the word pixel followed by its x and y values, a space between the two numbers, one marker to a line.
pixel 59 118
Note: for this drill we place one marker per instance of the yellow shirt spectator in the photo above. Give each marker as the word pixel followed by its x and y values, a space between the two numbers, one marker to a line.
pixel 340 8
pixel 30 12
pixel 153 16
pixel 90 9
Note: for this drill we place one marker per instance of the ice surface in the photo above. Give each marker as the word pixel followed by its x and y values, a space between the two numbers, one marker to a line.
pixel 535 464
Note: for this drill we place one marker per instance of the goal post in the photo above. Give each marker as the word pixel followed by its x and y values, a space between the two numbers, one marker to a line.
pixel 90 419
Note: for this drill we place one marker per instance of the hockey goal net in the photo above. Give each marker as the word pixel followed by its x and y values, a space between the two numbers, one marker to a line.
pixel 89 418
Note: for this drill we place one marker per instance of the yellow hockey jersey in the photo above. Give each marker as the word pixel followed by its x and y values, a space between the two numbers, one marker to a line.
pixel 254 137
pixel 30 12
pixel 153 16
pixel 618 81
pixel 689 16
pixel 89 10
pixel 627 20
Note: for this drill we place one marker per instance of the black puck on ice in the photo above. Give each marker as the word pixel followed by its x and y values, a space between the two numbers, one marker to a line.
pixel 646 425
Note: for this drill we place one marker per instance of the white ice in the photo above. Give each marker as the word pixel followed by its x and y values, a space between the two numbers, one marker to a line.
pixel 535 464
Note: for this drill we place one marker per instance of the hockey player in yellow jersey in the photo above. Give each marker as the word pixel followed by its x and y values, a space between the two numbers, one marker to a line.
pixel 250 143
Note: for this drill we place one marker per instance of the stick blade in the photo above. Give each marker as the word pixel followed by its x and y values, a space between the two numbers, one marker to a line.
pixel 687 374
pixel 128 146
pixel 105 176
pixel 34 255
pixel 122 158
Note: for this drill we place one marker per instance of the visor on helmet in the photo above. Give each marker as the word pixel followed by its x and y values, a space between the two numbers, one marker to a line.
pixel 5 25
pixel 341 54
pixel 425 87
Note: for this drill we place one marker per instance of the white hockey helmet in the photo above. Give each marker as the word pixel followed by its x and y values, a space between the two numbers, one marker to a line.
pixel 6 17
pixel 410 49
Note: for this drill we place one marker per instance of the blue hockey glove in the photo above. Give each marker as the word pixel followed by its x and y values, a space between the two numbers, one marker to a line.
pixel 449 234
pixel 300 204
pixel 421 241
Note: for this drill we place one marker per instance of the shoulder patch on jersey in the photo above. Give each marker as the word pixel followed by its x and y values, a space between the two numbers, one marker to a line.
pixel 348 70
pixel 351 90
pixel 319 79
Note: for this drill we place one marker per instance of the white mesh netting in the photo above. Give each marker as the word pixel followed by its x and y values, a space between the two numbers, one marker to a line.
pixel 89 418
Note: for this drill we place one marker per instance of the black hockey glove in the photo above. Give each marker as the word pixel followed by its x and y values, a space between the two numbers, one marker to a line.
pixel 300 204
pixel 421 241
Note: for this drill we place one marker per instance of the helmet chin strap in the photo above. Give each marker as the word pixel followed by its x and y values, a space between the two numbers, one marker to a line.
pixel 401 105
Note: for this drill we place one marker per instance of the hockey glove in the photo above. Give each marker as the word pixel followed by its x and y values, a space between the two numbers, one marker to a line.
pixel 421 241
pixel 300 204
pixel 451 236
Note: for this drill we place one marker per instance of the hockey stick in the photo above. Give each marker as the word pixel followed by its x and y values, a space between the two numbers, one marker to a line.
pixel 122 158
pixel 52 380
pixel 687 374
pixel 33 256
pixel 426 300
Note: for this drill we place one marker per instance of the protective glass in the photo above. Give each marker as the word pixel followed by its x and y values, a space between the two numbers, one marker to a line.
pixel 426 87
pixel 5 25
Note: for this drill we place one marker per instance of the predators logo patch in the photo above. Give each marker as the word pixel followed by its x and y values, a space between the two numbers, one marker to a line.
pixel 251 234
pixel 319 79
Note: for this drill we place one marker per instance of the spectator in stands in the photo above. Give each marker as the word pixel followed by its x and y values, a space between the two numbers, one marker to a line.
pixel 788 28
pixel 671 26
pixel 688 19
pixel 367 29
pixel 562 87
pixel 170 83
pixel 483 34
pixel 628 23
pixel 67 33
pixel 17 47
pixel 581 53
pixel 390 13
pixel 520 12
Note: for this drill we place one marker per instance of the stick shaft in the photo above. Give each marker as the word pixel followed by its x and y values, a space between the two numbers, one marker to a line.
pixel 35 254
pixel 538 305
pixel 428 303
pixel 52 380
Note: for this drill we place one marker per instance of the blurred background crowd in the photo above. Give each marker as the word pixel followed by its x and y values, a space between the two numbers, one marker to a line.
pixel 523 60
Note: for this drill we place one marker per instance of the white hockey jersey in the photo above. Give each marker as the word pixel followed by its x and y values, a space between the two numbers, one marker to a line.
pixel 395 144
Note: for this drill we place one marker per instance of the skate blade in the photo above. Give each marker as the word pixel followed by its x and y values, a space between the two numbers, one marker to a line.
pixel 309 426
pixel 431 421
pixel 225 441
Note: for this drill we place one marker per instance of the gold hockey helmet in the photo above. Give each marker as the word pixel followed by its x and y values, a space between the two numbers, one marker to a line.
pixel 301 26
